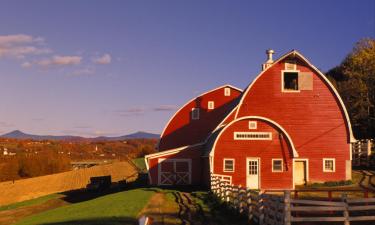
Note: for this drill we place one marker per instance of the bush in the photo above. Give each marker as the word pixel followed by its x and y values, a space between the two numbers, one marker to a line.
pixel 332 183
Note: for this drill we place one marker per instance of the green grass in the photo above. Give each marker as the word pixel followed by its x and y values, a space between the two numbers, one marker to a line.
pixel 119 208
pixel 140 163
pixel 35 201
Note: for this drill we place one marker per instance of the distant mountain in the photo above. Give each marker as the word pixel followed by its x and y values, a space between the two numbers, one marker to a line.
pixel 17 134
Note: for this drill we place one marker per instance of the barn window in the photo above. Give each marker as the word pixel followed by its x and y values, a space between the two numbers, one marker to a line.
pixel 329 165
pixel 290 81
pixel 290 65
pixel 226 91
pixel 211 105
pixel 252 136
pixel 252 125
pixel 195 113
pixel 277 165
pixel 228 165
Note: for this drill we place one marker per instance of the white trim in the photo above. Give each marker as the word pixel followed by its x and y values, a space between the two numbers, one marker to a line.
pixel 282 81
pixel 253 125
pixel 334 165
pixel 294 52
pixel 282 165
pixel 171 151
pixel 307 169
pixel 249 134
pixel 211 105
pixel 174 115
pixel 160 160
pixel 229 159
pixel 195 113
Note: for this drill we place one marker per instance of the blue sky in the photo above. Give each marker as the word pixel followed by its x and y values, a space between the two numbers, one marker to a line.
pixel 114 67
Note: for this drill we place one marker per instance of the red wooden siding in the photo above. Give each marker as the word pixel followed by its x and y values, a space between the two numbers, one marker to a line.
pixel 266 150
pixel 313 118
pixel 182 130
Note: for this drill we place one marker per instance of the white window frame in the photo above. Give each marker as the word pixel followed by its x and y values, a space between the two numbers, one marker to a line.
pixel 192 114
pixel 334 165
pixel 282 81
pixel 228 159
pixel 226 91
pixel 211 105
pixel 253 125
pixel 252 133
pixel 282 165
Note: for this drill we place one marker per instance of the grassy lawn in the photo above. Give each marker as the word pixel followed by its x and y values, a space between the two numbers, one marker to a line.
pixel 119 208
pixel 35 201
pixel 140 163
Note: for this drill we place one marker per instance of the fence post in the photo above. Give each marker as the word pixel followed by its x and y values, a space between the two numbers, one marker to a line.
pixel 261 207
pixel 346 210
pixel 249 205
pixel 287 211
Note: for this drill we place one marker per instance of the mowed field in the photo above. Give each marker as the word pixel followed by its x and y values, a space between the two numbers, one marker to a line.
pixel 26 189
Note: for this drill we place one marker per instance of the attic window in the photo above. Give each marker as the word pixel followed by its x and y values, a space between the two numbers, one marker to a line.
pixel 211 105
pixel 290 81
pixel 226 91
pixel 195 113
pixel 252 125
pixel 290 65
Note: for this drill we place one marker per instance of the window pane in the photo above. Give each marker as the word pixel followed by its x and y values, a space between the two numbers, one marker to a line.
pixel 291 81
pixel 229 165
pixel 277 165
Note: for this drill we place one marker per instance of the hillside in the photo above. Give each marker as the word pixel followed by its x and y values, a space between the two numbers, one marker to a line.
pixel 25 189
pixel 17 134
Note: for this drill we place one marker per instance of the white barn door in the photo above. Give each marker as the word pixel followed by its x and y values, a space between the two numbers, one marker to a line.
pixel 252 173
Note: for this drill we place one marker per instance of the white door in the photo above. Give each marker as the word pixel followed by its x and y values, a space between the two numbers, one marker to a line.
pixel 252 173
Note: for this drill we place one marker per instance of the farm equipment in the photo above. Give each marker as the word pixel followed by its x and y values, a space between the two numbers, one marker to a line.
pixel 99 183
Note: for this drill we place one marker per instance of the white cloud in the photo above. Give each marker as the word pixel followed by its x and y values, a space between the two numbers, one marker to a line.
pixel 105 59
pixel 165 108
pixel 60 61
pixel 20 45
pixel 26 65
pixel 84 71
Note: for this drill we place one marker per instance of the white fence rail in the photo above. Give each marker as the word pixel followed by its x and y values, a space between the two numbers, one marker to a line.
pixel 363 153
pixel 280 208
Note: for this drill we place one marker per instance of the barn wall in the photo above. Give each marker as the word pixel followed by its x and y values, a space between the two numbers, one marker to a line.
pixel 313 119
pixel 193 153
pixel 266 150
pixel 182 131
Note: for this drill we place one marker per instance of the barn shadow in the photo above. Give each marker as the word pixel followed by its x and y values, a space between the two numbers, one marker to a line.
pixel 84 194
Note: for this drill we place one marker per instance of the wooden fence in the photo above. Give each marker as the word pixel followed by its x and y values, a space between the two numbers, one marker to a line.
pixel 280 208
pixel 363 153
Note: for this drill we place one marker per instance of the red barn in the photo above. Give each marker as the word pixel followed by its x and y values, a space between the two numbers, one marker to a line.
pixel 289 127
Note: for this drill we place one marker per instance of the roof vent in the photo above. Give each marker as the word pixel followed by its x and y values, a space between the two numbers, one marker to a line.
pixel 269 61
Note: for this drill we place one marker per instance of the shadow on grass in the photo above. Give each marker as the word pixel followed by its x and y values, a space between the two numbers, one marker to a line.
pixel 81 195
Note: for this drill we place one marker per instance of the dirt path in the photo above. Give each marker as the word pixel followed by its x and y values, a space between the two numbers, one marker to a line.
pixel 367 182
pixel 174 208
pixel 9 217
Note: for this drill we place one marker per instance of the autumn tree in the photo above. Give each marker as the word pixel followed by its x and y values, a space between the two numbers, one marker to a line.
pixel 355 80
